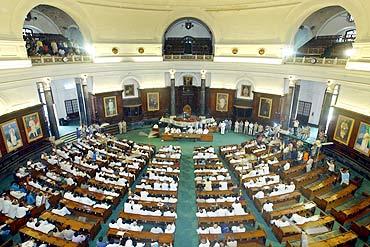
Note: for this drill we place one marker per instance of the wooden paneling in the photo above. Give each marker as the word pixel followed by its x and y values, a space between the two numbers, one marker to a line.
pixel 18 116
pixel 275 111
pixel 211 102
pixel 164 102
pixel 192 99
pixel 358 119
pixel 98 107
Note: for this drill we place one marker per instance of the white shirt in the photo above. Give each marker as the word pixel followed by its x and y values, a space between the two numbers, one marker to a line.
pixel 156 230
pixel 268 207
pixel 216 230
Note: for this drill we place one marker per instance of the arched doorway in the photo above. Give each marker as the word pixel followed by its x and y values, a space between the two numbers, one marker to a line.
pixel 328 32
pixel 188 36
pixel 49 31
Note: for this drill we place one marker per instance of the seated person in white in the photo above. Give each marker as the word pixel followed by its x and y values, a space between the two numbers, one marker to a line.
pixel 215 229
pixel 204 243
pixel 156 230
pixel 240 228
pixel 267 207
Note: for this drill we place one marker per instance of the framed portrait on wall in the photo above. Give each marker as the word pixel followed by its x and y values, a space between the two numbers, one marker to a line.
pixel 129 90
pixel 153 101
pixel 264 109
pixel 246 91
pixel 32 127
pixel 222 102
pixel 110 106
pixel 362 143
pixel 11 135
pixel 343 129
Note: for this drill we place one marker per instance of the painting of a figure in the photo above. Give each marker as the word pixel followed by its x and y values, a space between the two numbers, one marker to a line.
pixel 11 135
pixel 343 129
pixel 265 107
pixel 362 143
pixel 245 91
pixel 32 126
pixel 153 101
pixel 222 102
pixel 129 90
pixel 110 106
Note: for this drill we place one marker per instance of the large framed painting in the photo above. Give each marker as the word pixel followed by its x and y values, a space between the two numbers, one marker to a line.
pixel 33 128
pixel 11 135
pixel 153 101
pixel 343 129
pixel 265 106
pixel 246 91
pixel 110 106
pixel 222 102
pixel 129 90
pixel 362 143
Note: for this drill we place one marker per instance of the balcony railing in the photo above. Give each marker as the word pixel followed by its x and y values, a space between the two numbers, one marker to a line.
pixel 188 57
pixel 43 60
pixel 316 61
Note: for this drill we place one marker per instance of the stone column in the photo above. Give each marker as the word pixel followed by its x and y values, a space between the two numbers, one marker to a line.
pixel 173 93
pixel 50 108
pixel 326 105
pixel 294 106
pixel 288 103
pixel 85 93
pixel 203 92
pixel 81 103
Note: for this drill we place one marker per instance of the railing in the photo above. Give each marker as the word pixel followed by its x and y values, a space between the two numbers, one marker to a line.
pixel 188 57
pixel 42 60
pixel 316 61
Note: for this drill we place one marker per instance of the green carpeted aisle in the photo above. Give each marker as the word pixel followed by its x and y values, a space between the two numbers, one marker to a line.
pixel 186 223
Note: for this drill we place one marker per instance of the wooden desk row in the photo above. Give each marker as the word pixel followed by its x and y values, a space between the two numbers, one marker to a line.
pixel 328 202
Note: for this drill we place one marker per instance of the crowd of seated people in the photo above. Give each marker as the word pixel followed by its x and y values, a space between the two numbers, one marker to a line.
pixel 63 198
pixel 149 213
pixel 52 45
pixel 221 209
pixel 274 172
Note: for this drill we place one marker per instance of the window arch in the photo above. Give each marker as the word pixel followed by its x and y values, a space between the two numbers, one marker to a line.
pixel 53 32
pixel 323 33
pixel 188 36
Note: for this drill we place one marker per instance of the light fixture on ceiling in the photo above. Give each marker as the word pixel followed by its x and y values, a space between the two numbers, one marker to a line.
pixel 189 25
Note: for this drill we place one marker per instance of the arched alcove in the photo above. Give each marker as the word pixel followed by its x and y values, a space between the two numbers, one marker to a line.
pixel 328 32
pixel 130 87
pixel 49 31
pixel 188 36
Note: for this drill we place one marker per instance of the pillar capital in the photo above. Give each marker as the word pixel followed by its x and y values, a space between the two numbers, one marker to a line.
pixel 46 83
pixel 203 74
pixel 292 80
pixel 172 73
pixel 330 86
pixel 84 79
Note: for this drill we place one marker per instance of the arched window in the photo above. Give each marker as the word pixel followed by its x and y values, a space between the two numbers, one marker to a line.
pixel 188 36
pixel 328 32
pixel 49 31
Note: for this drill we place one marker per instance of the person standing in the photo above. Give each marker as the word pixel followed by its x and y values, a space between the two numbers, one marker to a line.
pixel 120 128
pixel 124 126
pixel 255 128
pixel 246 125
pixel 295 126
pixel 250 131
pixel 236 127
pixel 222 127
